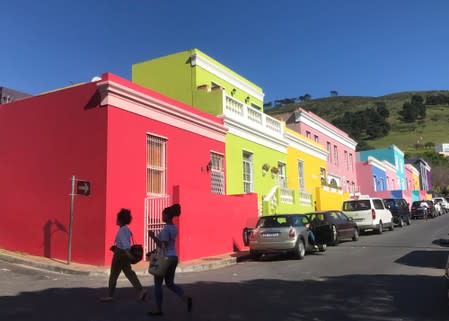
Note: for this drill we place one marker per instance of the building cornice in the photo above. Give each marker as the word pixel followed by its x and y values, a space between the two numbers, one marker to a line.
pixel 125 98
pixel 303 117
pixel 388 165
pixel 305 146
pixel 254 135
pixel 376 163
pixel 412 169
pixel 198 60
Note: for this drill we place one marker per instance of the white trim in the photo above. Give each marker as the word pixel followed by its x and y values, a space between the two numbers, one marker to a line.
pixel 215 152
pixel 376 163
pixel 157 135
pixel 255 136
pixel 387 164
pixel 412 168
pixel 301 116
pixel 306 147
pixel 198 60
pixel 125 98
pixel 395 148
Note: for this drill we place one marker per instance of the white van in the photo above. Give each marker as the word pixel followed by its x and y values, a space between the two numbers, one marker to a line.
pixel 369 214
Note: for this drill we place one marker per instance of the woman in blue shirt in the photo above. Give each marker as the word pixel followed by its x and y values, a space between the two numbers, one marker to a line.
pixel 167 240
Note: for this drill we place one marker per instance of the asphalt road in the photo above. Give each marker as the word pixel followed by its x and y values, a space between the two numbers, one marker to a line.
pixel 393 276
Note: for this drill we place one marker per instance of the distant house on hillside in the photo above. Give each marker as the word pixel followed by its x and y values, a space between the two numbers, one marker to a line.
pixel 442 149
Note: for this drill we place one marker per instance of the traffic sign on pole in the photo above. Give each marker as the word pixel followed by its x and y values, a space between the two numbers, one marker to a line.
pixel 83 188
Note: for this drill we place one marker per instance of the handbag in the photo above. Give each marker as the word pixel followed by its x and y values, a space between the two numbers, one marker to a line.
pixel 159 263
pixel 136 252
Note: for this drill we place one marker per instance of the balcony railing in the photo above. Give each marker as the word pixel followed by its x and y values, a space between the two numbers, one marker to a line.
pixel 287 195
pixel 305 198
pixel 252 117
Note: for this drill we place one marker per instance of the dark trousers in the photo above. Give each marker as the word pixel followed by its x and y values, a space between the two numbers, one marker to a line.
pixel 169 281
pixel 120 262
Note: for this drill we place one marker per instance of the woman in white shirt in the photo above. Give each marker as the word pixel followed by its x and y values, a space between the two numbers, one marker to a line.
pixel 167 240
pixel 121 258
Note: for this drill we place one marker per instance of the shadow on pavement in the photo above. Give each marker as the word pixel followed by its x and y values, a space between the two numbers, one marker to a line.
pixel 430 259
pixel 350 297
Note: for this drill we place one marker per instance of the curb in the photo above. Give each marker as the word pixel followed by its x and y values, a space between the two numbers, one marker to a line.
pixel 205 264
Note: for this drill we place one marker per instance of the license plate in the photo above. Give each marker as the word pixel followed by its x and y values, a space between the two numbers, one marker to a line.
pixel 270 235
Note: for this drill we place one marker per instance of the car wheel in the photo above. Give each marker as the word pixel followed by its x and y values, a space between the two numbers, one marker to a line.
pixel 300 250
pixel 322 247
pixel 355 237
pixel 391 227
pixel 401 222
pixel 380 230
pixel 335 239
pixel 255 255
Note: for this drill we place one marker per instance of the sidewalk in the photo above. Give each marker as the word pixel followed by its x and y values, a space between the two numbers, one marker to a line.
pixel 140 268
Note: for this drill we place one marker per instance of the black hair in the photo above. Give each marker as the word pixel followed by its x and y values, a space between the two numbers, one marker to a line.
pixel 172 211
pixel 124 216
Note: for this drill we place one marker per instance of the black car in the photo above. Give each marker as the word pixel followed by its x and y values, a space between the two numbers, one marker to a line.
pixel 418 211
pixel 342 226
pixel 399 209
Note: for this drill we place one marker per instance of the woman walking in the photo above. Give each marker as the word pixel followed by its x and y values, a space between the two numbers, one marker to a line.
pixel 121 258
pixel 167 241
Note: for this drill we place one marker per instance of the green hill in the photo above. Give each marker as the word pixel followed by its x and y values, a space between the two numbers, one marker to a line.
pixel 409 137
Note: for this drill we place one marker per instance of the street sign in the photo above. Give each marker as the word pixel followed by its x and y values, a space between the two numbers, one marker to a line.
pixel 83 188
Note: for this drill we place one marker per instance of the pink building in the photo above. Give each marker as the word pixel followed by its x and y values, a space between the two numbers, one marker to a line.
pixel 139 150
pixel 340 147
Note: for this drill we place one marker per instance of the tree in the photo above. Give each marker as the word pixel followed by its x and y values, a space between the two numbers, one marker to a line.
pixel 334 93
pixel 382 110
pixel 409 112
pixel 307 97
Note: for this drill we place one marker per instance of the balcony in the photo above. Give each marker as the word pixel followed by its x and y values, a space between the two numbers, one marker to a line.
pixel 252 117
pixel 305 198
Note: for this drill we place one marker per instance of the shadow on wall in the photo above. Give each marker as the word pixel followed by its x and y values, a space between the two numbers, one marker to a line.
pixel 344 298
pixel 51 227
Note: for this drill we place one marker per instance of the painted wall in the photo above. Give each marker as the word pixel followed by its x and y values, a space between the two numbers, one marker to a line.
pixel 379 179
pixel 366 184
pixel 325 133
pixel 329 198
pixel 391 177
pixel 45 140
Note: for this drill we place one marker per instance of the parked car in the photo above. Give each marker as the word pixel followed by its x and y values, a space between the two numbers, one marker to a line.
pixel 369 214
pixel 399 209
pixel 444 204
pixel 285 233
pixel 418 211
pixel 343 227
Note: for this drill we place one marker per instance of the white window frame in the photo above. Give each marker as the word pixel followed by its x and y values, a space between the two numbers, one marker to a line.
pixel 248 177
pixel 217 175
pixel 282 176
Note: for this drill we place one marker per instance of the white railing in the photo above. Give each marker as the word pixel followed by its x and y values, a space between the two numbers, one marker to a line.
pixel 252 117
pixel 305 198
pixel 287 195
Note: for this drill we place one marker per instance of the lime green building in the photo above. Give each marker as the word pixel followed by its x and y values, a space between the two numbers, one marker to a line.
pixel 256 148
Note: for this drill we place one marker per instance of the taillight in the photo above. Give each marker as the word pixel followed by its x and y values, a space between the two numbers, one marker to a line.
pixel 252 236
pixel 373 213
pixel 291 233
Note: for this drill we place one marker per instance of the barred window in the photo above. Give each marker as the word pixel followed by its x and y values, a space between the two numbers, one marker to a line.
pixel 156 165
pixel 217 173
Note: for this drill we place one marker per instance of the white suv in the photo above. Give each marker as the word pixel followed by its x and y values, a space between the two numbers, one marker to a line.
pixel 369 214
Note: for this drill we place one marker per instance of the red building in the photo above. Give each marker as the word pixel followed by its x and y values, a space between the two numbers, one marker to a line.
pixel 139 149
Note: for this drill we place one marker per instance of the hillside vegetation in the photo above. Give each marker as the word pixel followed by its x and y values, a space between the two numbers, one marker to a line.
pixel 408 136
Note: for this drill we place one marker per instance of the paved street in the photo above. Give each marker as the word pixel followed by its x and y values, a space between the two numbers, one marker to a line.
pixel 394 276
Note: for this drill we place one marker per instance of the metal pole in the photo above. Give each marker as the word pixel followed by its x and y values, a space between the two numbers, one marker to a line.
pixel 72 196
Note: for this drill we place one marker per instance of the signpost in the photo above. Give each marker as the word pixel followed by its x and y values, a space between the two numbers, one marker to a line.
pixel 79 187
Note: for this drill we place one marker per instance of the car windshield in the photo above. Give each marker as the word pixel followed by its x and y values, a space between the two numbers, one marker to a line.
pixel 389 202
pixel 359 205
pixel 416 203
pixel 280 221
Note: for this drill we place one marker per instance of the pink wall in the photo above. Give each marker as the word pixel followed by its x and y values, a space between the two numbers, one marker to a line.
pixel 364 172
pixel 45 140
pixel 211 225
pixel 346 173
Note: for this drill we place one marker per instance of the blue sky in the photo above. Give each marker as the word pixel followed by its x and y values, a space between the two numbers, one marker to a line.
pixel 288 48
